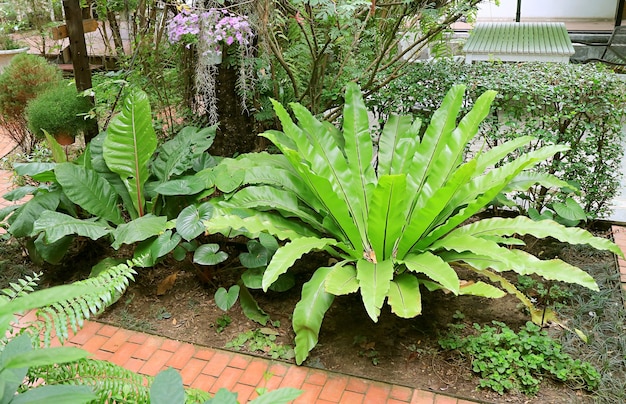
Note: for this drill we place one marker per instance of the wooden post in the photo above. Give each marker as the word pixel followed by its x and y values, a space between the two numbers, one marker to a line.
pixel 78 50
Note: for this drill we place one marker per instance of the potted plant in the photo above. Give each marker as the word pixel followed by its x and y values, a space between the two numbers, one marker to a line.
pixel 9 48
pixel 60 111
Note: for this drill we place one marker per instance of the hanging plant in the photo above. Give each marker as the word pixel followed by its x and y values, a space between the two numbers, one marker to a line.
pixel 209 31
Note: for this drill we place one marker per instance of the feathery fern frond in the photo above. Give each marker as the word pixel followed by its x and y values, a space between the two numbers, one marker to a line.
pixel 67 315
pixel 22 287
pixel 112 383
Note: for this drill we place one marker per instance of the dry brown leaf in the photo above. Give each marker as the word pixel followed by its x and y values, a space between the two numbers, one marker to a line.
pixel 166 284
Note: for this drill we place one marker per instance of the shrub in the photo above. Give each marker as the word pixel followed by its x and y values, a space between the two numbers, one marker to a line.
pixel 390 212
pixel 26 77
pixel 581 106
pixel 60 109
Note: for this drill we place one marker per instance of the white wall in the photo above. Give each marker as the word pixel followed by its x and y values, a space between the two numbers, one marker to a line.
pixel 549 9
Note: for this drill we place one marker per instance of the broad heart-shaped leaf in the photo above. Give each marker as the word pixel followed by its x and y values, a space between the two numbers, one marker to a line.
pixel 341 280
pixel 404 296
pixel 138 230
pixel 570 210
pixel 177 155
pixel 546 228
pixel 209 254
pixel 309 313
pixel 374 280
pixel 23 219
pixel 397 145
pixel 188 185
pixel 90 191
pixel 190 221
pixel 129 145
pixel 226 299
pixel 288 254
pixel 56 225
pixel 223 396
pixel 257 255
pixel 434 267
pixel 388 210
pixel 167 388
pixel 155 247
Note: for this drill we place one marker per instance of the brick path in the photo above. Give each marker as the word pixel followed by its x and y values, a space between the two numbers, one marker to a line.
pixel 211 369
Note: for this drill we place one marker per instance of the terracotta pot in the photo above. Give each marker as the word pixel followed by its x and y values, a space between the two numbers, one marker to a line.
pixel 64 139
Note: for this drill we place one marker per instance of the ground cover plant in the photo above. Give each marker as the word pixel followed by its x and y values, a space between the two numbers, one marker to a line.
pixel 350 200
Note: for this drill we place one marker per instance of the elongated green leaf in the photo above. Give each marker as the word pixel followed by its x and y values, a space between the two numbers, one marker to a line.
pixel 56 225
pixel 526 179
pixel 496 154
pixel 388 210
pixel 177 155
pixel 404 296
pixel 209 254
pixel 514 260
pixel 374 280
pixel 251 226
pixel 33 169
pixel 138 230
pixel 23 219
pixel 100 166
pixel 18 193
pixel 58 154
pixel 522 225
pixel 167 388
pixel 90 191
pixel 398 144
pixel 433 267
pixel 341 280
pixel 250 307
pixel 280 396
pixel 309 313
pixel 56 394
pixel 129 145
pixel 190 221
pixel 481 289
pixel 285 256
pixel 48 356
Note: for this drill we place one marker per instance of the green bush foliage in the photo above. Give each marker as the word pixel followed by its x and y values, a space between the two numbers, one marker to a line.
pixel 26 77
pixel 507 360
pixel 581 106
pixel 391 211
pixel 59 109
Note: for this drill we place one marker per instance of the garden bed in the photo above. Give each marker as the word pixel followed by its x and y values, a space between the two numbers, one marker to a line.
pixel 394 350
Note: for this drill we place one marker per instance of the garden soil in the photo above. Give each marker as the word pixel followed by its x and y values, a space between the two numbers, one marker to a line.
pixel 175 300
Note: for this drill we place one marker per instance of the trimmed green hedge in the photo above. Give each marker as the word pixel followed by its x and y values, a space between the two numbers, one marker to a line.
pixel 582 106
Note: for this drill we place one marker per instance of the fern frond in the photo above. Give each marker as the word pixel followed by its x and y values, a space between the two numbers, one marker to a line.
pixel 68 315
pixel 22 287
pixel 112 383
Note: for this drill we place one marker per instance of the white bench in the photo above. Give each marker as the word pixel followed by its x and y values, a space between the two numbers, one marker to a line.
pixel 519 42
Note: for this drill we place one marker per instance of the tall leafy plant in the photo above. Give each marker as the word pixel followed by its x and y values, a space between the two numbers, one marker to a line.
pixel 123 187
pixel 391 212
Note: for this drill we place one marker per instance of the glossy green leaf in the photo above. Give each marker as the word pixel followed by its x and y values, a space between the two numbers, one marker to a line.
pixel 481 289
pixel 129 145
pixel 398 144
pixel 251 308
pixel 167 388
pixel 23 219
pixel 58 154
pixel 188 185
pixel 388 210
pixel 209 254
pixel 309 313
pixel 435 268
pixel 56 394
pixel 90 191
pixel 570 210
pixel 56 225
pixel 190 221
pixel 138 230
pixel 374 281
pixel 285 257
pixel 341 280
pixel 52 253
pixel 43 357
pixel 404 296
pixel 226 299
